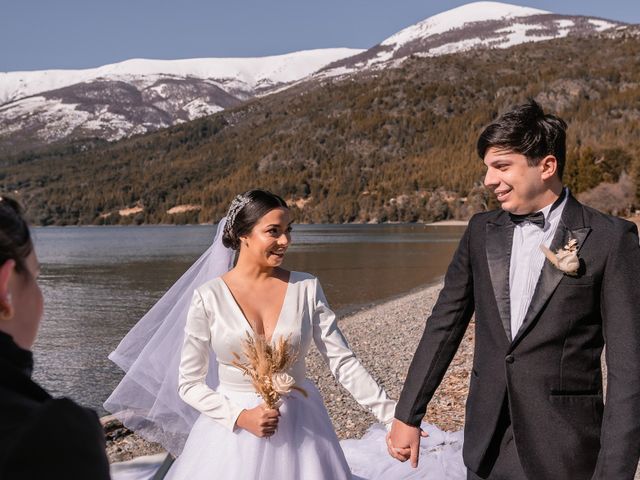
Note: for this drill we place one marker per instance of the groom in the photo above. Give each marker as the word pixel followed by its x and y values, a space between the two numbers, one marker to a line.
pixel 535 407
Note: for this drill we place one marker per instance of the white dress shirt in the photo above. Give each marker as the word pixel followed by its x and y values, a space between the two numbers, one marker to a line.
pixel 527 260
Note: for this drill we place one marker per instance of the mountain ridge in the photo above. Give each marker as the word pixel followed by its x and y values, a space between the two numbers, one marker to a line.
pixel 68 112
pixel 390 145
pixel 250 71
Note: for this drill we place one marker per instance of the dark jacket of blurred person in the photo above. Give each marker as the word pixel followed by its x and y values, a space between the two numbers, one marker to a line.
pixel 42 437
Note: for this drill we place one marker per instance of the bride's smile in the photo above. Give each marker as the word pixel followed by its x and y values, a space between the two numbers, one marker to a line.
pixel 268 241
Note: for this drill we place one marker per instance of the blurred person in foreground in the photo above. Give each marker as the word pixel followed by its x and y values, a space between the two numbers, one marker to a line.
pixel 40 436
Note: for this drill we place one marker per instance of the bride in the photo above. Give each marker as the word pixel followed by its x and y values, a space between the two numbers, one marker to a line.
pixel 183 387
pixel 258 297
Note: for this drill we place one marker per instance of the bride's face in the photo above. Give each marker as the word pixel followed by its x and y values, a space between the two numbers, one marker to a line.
pixel 269 238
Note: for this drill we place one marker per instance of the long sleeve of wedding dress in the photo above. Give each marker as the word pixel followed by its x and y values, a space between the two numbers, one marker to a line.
pixel 344 365
pixel 194 364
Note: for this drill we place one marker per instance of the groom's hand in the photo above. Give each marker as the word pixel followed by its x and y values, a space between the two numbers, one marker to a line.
pixel 403 442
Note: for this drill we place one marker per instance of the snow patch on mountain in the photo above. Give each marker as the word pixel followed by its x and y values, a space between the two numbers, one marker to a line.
pixel 402 44
pixel 478 24
pixel 601 24
pixel 520 33
pixel 61 120
pixel 242 74
pixel 113 126
pixel 564 24
pixel 458 18
pixel 198 108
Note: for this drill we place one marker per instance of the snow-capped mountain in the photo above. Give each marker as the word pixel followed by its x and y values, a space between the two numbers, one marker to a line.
pixel 478 24
pixel 137 96
pixel 240 77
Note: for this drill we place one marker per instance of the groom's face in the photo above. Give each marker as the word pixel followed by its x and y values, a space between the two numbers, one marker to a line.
pixel 517 185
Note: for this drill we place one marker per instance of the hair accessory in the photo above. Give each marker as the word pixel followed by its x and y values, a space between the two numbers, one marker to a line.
pixel 237 204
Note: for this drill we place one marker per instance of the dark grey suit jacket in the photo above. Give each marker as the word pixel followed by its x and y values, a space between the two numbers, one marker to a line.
pixel 550 373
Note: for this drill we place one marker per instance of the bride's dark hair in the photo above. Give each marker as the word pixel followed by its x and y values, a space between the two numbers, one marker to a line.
pixel 15 239
pixel 245 211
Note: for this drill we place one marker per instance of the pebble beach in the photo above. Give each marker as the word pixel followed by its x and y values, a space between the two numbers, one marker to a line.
pixel 384 338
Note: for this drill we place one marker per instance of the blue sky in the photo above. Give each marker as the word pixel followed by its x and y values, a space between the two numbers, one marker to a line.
pixel 44 34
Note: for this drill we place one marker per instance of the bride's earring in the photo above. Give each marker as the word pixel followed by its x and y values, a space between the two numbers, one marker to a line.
pixel 6 309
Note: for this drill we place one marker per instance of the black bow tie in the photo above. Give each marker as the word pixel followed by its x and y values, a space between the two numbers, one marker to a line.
pixel 536 218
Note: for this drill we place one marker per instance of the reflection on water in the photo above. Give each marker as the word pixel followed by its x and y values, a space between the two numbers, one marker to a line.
pixel 363 264
pixel 98 282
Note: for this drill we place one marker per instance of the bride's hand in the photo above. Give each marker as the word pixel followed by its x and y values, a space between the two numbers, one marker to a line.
pixel 403 442
pixel 260 420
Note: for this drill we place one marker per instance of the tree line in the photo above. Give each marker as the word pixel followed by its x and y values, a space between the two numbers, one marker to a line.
pixel 382 146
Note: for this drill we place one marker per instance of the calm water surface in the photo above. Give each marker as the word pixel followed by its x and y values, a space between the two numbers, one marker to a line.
pixel 97 282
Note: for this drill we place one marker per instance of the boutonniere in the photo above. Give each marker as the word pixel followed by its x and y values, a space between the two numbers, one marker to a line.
pixel 565 259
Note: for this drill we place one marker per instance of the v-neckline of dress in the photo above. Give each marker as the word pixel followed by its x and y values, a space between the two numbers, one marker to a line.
pixel 247 323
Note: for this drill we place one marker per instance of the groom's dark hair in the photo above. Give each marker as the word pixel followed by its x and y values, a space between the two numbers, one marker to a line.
pixel 527 130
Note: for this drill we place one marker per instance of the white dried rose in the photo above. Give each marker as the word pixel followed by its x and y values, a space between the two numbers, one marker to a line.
pixel 568 262
pixel 565 259
pixel 282 382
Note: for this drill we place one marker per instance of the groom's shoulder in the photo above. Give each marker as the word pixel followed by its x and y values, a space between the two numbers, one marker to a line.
pixel 483 218
pixel 604 222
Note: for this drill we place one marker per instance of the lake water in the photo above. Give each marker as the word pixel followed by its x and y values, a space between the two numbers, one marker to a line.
pixel 98 281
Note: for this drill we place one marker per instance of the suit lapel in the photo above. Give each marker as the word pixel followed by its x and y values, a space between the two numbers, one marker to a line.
pixel 498 246
pixel 571 226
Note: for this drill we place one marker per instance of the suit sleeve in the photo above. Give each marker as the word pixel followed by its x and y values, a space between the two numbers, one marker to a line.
pixel 442 335
pixel 620 308
pixel 194 364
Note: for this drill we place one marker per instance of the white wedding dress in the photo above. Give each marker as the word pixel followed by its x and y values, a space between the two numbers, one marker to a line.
pixel 305 445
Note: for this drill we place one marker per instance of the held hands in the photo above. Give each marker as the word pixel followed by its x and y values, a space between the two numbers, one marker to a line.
pixel 403 442
pixel 260 421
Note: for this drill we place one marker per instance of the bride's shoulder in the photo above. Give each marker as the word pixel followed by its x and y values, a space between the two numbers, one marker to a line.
pixel 210 286
pixel 304 281
pixel 295 277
